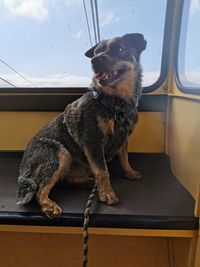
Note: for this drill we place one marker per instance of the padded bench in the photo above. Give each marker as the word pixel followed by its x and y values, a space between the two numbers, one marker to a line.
pixel 157 201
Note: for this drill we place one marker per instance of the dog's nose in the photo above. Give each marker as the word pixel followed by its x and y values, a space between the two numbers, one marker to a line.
pixel 98 59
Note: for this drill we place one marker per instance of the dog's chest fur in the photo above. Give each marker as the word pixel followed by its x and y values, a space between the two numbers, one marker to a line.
pixel 90 122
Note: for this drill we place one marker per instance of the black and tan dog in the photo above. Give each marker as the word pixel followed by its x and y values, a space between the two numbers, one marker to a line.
pixel 77 144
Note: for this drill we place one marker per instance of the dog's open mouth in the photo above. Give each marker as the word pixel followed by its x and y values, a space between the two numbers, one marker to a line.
pixel 109 77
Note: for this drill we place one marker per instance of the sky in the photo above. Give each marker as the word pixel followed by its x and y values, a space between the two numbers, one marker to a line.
pixel 192 52
pixel 45 40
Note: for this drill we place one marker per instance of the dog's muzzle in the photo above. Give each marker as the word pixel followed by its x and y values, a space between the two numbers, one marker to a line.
pixel 108 77
pixel 108 72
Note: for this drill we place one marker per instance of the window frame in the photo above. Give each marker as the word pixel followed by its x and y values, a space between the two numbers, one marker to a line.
pixel 25 98
pixel 184 13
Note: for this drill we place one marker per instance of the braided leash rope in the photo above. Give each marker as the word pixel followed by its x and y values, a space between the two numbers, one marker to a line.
pixel 86 225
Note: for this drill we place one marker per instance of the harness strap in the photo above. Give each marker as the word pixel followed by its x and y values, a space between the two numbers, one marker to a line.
pixel 119 115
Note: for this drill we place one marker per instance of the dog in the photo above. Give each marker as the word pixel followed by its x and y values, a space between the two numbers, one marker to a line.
pixel 78 143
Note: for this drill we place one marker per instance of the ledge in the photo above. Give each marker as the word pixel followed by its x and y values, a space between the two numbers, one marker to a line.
pixel 98 231
pixel 158 201
pixel 58 101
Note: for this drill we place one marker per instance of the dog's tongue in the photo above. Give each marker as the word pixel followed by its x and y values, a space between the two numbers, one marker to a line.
pixel 101 75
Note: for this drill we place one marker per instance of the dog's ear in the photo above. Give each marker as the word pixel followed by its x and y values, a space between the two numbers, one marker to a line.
pixel 135 40
pixel 90 52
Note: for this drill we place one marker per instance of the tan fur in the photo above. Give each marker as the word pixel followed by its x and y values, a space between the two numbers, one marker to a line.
pixel 65 160
pixel 106 126
pixel 49 207
pixel 123 158
pixel 105 191
pixel 124 88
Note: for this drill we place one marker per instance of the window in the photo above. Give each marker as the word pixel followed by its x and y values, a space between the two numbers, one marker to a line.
pixel 189 53
pixel 43 42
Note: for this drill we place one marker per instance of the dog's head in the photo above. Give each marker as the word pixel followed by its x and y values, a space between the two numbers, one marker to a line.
pixel 112 59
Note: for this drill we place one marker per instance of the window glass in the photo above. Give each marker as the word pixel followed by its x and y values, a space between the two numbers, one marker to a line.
pixel 43 41
pixel 189 53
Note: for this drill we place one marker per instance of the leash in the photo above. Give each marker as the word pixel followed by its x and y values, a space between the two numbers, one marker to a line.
pixel 119 117
pixel 86 225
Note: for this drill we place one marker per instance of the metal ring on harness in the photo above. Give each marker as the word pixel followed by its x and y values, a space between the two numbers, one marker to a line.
pixel 119 116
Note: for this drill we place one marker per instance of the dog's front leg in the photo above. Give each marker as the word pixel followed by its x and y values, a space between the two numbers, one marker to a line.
pixel 123 158
pixel 98 166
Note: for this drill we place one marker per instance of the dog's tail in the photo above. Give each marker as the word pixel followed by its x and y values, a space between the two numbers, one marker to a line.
pixel 26 190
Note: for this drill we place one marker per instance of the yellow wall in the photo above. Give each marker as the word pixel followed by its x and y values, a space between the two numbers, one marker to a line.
pixel 149 134
pixel 59 250
pixel 17 128
pixel 184 141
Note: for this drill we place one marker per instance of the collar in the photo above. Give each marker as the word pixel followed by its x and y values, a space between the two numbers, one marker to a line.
pixel 118 114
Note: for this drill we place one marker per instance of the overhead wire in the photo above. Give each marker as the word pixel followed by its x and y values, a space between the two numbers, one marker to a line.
pixel 4 80
pixel 93 20
pixel 87 21
pixel 97 21
pixel 96 35
pixel 17 73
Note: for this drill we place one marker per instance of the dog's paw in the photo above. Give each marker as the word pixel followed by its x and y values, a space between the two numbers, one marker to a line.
pixel 52 210
pixel 108 196
pixel 133 175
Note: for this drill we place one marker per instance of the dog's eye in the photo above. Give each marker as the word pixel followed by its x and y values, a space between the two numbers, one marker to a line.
pixel 121 49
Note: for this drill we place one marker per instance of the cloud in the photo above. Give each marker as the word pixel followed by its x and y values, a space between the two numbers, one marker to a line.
pixel 77 35
pixel 150 78
pixel 108 18
pixel 65 80
pixel 71 2
pixel 68 80
pixel 194 6
pixel 38 10
pixel 55 80
pixel 191 78
pixel 35 9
